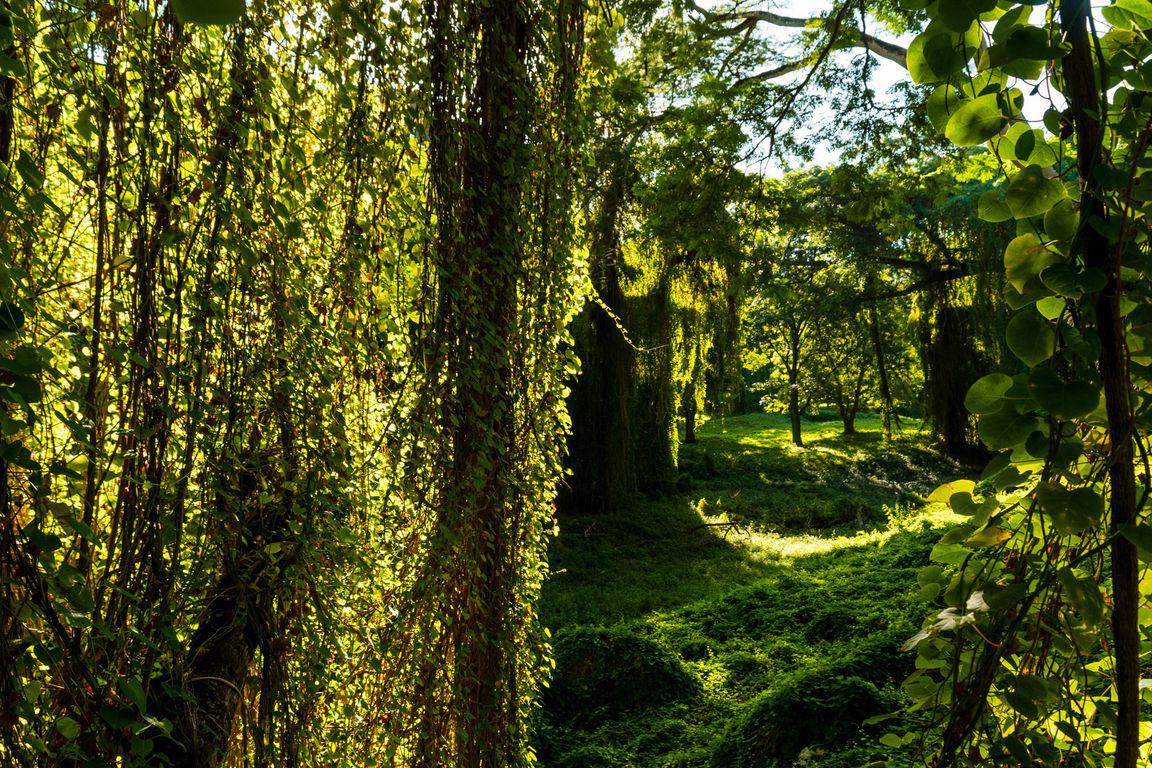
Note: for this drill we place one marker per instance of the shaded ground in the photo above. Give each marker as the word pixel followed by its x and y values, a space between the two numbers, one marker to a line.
pixel 752 621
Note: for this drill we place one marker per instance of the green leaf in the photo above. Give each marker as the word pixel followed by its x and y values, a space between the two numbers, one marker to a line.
pixel 46 542
pixel 1062 220
pixel 976 121
pixel 1083 594
pixel 944 492
pixel 891 740
pixel 24 389
pixel 1030 337
pixel 1134 14
pixel 940 105
pixel 1025 258
pixel 1031 193
pixel 988 537
pixel 11 318
pixel 1051 307
pixel 68 728
pixel 134 692
pixel 958 15
pixel 930 574
pixel 1064 400
pixel 116 717
pixel 992 207
pixel 1066 280
pixel 1139 534
pixel 938 52
pixel 24 362
pixel 12 67
pixel 1071 511
pixel 215 12
pixel 987 394
pixel 1006 428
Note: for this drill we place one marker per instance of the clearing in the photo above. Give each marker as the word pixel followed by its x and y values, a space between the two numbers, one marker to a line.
pixel 752 618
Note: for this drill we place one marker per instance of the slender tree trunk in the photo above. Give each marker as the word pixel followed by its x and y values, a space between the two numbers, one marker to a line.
pixel 852 404
pixel 794 409
pixel 10 688
pixel 689 400
pixel 886 409
pixel 1085 104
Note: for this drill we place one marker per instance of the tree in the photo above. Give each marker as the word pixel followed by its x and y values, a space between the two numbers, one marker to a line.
pixel 282 359
pixel 843 363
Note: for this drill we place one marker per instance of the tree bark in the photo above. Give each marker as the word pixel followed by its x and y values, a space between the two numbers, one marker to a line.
pixel 1085 104
pixel 689 400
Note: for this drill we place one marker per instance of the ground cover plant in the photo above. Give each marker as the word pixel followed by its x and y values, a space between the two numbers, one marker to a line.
pixel 681 640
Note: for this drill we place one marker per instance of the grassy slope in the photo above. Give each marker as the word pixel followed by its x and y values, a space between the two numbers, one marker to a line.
pixel 725 646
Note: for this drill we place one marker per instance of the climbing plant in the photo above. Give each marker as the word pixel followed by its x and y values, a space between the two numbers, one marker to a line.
pixel 272 489
pixel 1035 657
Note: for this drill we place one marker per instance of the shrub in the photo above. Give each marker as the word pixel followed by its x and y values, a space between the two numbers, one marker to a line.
pixel 603 672
pixel 593 757
pixel 878 659
pixel 696 650
pixel 745 669
pixel 834 622
pixel 808 709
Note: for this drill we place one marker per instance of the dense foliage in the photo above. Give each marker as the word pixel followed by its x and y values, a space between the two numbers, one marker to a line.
pixel 271 301
pixel 319 320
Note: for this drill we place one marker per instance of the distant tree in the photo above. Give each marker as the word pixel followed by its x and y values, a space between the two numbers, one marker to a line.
pixel 843 364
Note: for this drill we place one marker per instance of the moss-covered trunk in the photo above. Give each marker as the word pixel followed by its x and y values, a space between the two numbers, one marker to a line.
pixel 951 364
pixel 600 403
pixel 654 410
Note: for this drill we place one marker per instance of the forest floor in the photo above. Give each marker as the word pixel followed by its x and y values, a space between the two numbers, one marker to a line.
pixel 751 619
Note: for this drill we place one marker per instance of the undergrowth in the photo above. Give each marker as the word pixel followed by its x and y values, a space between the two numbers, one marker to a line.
pixel 750 620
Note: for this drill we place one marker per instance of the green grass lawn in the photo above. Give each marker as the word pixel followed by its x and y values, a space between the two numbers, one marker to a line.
pixel 753 618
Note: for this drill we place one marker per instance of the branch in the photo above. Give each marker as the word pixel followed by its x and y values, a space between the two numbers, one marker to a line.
pixel 898 263
pixel 772 74
pixel 852 36
pixel 937 276
pixel 882 48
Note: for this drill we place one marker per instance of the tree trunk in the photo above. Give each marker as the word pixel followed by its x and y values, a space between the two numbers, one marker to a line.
pixel 951 364
pixel 852 404
pixel 654 411
pixel 1084 102
pixel 794 410
pixel 886 409
pixel 600 454
pixel 478 160
pixel 689 409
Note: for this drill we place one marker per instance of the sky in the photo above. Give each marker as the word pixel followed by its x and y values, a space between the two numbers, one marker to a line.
pixel 884 75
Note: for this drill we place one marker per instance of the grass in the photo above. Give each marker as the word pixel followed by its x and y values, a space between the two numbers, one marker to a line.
pixel 752 618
